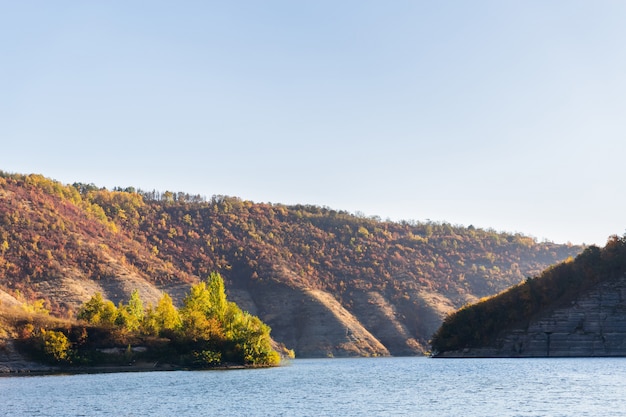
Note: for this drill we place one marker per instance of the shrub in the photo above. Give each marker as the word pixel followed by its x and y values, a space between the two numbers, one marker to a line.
pixel 56 345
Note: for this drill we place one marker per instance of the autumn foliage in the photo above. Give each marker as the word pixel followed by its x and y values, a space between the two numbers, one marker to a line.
pixel 49 230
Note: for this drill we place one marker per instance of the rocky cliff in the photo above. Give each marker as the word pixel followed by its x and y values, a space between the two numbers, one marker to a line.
pixel 587 320
pixel 592 325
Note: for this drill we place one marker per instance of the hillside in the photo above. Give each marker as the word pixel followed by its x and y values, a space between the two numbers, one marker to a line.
pixel 327 282
pixel 577 308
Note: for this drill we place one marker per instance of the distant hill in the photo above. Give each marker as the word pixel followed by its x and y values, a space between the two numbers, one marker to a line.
pixel 577 308
pixel 326 281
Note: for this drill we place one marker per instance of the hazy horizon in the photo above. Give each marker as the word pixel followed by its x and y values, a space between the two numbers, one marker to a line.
pixel 499 115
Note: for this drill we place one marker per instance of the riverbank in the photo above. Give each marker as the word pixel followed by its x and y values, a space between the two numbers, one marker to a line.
pixel 40 370
pixel 14 363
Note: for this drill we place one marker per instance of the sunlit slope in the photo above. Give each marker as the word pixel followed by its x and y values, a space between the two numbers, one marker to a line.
pixel 327 282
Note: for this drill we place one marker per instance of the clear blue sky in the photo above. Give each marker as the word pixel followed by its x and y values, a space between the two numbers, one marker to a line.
pixel 501 114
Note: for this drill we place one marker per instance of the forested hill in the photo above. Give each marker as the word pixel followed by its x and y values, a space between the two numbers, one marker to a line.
pixel 326 281
pixel 576 308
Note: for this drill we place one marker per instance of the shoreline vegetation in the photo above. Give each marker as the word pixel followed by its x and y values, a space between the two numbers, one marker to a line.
pixel 108 369
pixel 206 332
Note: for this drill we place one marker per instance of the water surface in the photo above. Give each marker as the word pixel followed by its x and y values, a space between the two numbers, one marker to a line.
pixel 337 387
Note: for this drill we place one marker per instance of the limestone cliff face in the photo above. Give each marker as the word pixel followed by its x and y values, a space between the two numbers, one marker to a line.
pixel 593 324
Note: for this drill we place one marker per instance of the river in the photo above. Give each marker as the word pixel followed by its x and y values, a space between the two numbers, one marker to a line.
pixel 336 387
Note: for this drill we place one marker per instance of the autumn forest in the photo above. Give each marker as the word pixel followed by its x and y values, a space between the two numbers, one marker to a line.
pixel 327 282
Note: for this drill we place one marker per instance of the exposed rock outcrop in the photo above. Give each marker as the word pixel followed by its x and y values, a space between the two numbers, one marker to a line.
pixel 312 322
pixel 591 325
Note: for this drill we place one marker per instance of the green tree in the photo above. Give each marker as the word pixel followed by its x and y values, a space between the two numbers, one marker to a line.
pixel 130 316
pixel 90 311
pixel 252 340
pixel 167 314
pixel 149 324
pixel 135 305
pixel 164 317
pixel 198 299
pixel 108 313
pixel 197 327
pixel 208 297
pixel 98 311
pixel 217 295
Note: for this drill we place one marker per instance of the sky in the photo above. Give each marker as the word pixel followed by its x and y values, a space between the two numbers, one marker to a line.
pixel 508 115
